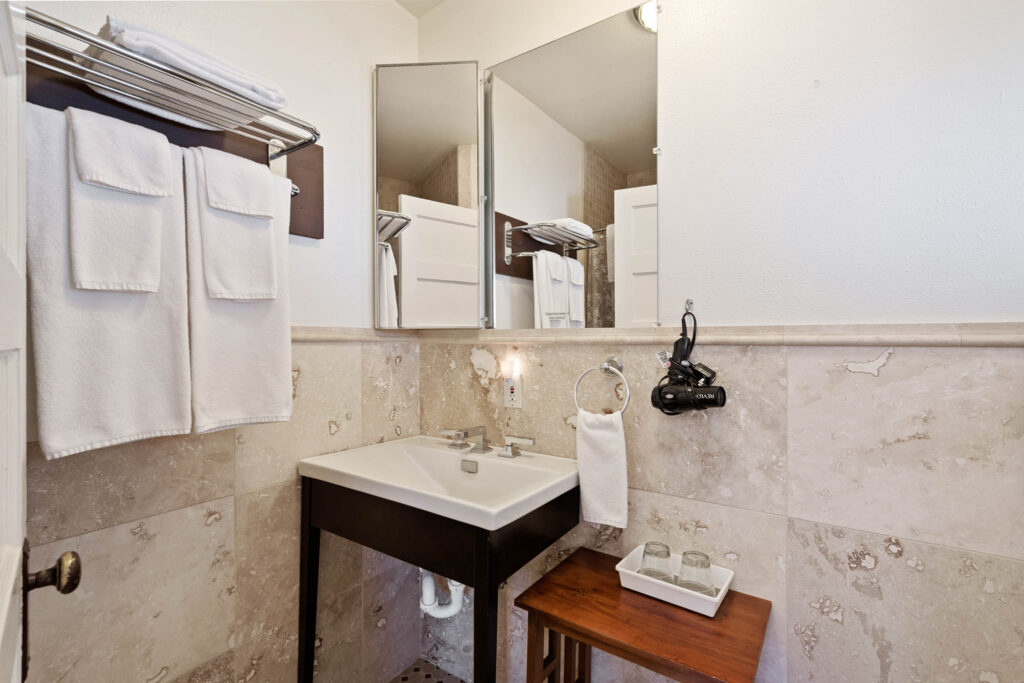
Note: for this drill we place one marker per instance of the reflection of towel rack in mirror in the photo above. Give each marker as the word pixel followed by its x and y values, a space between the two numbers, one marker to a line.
pixel 147 82
pixel 389 224
pixel 546 232
pixel 612 366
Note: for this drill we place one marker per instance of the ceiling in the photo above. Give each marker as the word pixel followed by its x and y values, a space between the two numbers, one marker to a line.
pixel 419 7
pixel 601 84
pixel 423 111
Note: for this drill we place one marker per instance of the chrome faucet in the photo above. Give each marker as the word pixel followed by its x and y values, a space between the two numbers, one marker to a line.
pixel 512 444
pixel 459 436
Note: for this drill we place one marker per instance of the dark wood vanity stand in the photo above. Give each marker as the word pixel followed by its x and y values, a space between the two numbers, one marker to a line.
pixel 582 602
pixel 477 557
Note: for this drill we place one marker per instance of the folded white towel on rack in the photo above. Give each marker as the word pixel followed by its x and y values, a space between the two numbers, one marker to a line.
pixel 236 218
pixel 601 458
pixel 178 54
pixel 119 181
pixel 387 298
pixel 110 367
pixel 550 290
pixel 578 228
pixel 577 293
pixel 241 351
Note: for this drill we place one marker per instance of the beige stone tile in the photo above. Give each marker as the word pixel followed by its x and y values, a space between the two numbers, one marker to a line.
pixel 752 544
pixel 607 668
pixel 341 563
pixel 392 623
pixel 375 563
pixel 271 658
pixel 734 455
pixel 326 417
pixel 220 669
pixel 339 629
pixel 920 443
pixel 267 562
pixel 156 600
pixel 109 486
pixel 867 607
pixel 390 391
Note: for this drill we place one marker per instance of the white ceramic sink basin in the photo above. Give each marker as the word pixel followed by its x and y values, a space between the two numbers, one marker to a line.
pixel 424 473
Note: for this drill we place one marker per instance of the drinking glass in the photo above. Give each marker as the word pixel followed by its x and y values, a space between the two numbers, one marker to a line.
pixel 695 572
pixel 657 562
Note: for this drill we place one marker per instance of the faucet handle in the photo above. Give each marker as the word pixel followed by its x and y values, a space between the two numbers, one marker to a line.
pixel 512 444
pixel 458 437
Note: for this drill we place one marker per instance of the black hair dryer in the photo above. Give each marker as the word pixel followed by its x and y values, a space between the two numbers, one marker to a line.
pixel 687 386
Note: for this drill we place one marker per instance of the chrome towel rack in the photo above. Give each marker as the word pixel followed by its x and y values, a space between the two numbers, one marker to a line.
pixel 153 83
pixel 549 232
pixel 612 366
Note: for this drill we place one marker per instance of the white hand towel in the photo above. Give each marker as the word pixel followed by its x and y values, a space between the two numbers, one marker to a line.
pixel 110 367
pixel 387 298
pixel 119 180
pixel 601 458
pixel 236 211
pixel 550 291
pixel 577 298
pixel 173 52
pixel 241 351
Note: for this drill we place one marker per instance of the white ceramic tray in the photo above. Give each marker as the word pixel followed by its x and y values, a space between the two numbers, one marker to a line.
pixel 662 590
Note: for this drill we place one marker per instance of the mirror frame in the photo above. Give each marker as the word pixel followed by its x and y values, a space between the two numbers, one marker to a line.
pixel 484 283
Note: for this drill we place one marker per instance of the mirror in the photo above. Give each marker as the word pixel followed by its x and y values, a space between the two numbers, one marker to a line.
pixel 571 131
pixel 427 240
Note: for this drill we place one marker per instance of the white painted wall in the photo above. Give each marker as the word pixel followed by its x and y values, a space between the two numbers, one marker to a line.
pixel 322 54
pixel 538 164
pixel 821 162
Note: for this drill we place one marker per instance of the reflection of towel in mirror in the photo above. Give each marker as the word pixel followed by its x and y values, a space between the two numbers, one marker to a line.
pixel 601 458
pixel 550 290
pixel 577 299
pixel 387 299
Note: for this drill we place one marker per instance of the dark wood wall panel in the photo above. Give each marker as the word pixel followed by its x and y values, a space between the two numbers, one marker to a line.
pixel 520 267
pixel 53 91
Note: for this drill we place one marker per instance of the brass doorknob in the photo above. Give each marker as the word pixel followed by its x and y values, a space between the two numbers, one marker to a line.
pixel 64 575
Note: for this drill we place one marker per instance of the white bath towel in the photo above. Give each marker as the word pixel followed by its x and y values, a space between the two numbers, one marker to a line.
pixel 577 293
pixel 176 53
pixel 387 299
pixel 550 290
pixel 110 367
pixel 119 180
pixel 578 228
pixel 236 219
pixel 601 458
pixel 241 351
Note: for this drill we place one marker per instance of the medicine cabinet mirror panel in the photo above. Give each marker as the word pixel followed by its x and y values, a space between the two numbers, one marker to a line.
pixel 572 129
pixel 427 237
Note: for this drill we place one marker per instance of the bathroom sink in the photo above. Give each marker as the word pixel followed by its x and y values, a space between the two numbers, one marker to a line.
pixel 424 473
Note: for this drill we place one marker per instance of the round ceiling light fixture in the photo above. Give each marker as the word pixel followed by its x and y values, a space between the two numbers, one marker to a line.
pixel 647 15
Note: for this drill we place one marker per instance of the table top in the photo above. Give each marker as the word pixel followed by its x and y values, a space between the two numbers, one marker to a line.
pixel 582 598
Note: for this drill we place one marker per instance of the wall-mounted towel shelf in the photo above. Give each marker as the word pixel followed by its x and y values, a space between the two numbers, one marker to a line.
pixel 152 83
pixel 546 232
pixel 389 224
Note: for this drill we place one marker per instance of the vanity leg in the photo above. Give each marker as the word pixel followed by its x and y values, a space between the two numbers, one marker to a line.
pixel 485 633
pixel 309 568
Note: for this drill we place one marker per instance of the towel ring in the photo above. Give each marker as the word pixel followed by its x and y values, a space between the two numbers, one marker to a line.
pixel 612 366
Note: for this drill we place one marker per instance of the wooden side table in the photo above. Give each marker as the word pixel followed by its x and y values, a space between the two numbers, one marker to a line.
pixel 581 603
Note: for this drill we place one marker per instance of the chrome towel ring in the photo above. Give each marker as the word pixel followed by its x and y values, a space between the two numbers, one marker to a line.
pixel 612 366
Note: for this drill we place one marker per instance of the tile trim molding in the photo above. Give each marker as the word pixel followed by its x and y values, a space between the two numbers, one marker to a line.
pixel 979 335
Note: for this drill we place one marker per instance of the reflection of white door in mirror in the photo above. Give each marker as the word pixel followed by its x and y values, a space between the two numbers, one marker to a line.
pixel 636 256
pixel 439 276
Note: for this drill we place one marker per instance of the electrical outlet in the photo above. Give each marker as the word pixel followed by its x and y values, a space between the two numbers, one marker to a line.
pixel 513 392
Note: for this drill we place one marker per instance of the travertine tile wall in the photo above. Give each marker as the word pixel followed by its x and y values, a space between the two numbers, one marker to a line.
pixel 388 190
pixel 190 545
pixel 600 180
pixel 873 495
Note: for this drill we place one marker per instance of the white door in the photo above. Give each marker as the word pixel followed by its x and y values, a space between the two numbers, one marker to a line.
pixel 438 265
pixel 636 256
pixel 12 342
